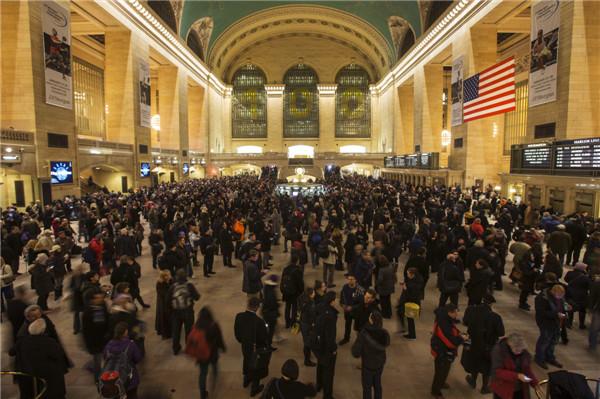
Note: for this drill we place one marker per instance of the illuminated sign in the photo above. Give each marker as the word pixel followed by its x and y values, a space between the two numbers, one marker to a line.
pixel 61 172
pixel 186 168
pixel 145 169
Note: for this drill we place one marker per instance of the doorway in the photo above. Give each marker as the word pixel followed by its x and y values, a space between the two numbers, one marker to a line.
pixel 124 184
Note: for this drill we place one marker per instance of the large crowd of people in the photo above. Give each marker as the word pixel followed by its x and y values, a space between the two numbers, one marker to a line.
pixel 359 228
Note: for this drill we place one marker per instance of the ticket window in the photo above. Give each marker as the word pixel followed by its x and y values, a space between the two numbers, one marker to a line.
pixel 584 202
pixel 557 200
pixel 516 193
pixel 534 195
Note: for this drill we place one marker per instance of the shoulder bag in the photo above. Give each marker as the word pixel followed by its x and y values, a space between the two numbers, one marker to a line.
pixel 261 355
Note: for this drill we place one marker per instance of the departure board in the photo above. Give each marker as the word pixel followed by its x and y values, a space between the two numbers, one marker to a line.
pixel 388 162
pixel 425 159
pixel 578 154
pixel 537 156
pixel 412 161
pixel 400 161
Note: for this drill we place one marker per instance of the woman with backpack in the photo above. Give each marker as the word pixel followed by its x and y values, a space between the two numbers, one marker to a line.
pixel 214 340
pixel 120 344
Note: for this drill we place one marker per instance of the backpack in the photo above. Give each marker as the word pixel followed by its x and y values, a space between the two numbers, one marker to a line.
pixel 315 333
pixel 181 299
pixel 323 249
pixel 88 255
pixel 162 262
pixel 288 285
pixel 196 345
pixel 316 239
pixel 116 375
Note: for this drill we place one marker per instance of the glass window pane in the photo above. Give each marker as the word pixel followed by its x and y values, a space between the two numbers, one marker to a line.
pixel 88 93
pixel 300 103
pixel 249 103
pixel 353 103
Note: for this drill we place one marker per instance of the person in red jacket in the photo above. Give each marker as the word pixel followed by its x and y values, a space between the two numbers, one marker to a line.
pixel 97 245
pixel 444 346
pixel 511 373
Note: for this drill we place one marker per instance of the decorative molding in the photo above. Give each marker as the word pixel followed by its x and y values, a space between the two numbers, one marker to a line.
pixel 353 28
pixel 177 6
pixel 203 27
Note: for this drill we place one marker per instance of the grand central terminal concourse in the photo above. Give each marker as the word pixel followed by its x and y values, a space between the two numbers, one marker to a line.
pixel 295 199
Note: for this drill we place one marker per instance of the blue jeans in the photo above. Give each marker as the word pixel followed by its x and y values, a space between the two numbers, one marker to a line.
pixel 544 348
pixel 594 330
pixel 371 380
pixel 181 318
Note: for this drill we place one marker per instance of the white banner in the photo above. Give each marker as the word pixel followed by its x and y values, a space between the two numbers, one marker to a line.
pixel 545 20
pixel 145 93
pixel 57 55
pixel 457 92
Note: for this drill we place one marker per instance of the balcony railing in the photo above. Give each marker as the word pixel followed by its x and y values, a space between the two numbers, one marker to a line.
pixel 89 143
pixel 16 136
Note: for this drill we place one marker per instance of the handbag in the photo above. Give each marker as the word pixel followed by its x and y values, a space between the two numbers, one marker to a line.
pixel 260 356
pixel 515 275
pixel 412 310
pixel 296 327
pixel 465 359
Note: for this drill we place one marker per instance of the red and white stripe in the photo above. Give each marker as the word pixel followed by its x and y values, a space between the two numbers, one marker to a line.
pixel 496 92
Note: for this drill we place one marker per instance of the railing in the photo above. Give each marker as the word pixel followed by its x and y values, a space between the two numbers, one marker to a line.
pixel 89 143
pixel 36 395
pixel 166 151
pixel 16 136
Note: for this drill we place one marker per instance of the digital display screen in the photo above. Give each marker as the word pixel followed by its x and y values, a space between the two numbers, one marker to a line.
pixel 388 162
pixel 425 159
pixel 186 168
pixel 537 156
pixel 578 154
pixel 412 161
pixel 145 169
pixel 400 161
pixel 61 172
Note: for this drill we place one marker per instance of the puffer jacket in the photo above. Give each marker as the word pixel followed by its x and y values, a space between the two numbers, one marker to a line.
pixel 386 281
pixel 370 346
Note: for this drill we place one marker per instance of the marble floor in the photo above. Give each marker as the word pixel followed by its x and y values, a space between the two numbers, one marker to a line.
pixel 407 374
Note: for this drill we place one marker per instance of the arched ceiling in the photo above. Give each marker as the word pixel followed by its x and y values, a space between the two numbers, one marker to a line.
pixel 221 15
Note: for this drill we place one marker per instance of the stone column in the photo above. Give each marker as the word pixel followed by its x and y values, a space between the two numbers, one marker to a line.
pixel 275 118
pixel 405 115
pixel 197 118
pixel 168 98
pixel 480 156
pixel 327 118
pixel 428 89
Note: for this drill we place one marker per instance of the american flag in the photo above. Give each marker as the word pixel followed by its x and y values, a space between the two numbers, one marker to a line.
pixel 490 92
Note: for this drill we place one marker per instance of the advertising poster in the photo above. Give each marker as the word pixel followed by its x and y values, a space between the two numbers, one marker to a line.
pixel 545 20
pixel 57 55
pixel 145 110
pixel 457 92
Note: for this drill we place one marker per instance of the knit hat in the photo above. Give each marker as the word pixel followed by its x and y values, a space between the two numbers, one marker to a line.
pixel 273 279
pixel 290 369
pixel 489 298
pixel 55 248
pixel 315 224
pixel 41 258
pixel 580 266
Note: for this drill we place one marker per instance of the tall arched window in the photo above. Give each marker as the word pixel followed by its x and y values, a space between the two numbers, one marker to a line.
pixel 353 103
pixel 300 103
pixel 164 9
pixel 249 103
pixel 193 42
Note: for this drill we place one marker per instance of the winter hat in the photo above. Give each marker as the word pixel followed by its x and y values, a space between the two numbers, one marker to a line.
pixel 290 369
pixel 273 279
pixel 41 258
pixel 580 266
pixel 55 248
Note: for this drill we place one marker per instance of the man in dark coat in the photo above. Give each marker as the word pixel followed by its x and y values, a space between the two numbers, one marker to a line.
pixel 362 311
pixel 125 245
pixel 13 241
pixel 251 281
pixel 207 248
pixel 326 318
pixel 296 287
pixel 95 322
pixel 576 230
pixel 15 310
pixel 249 329
pixel 180 298
pixel 450 279
pixel 41 356
pixel 370 346
pixel 226 240
pixel 485 327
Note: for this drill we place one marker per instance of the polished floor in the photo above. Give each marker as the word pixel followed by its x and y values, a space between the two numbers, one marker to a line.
pixel 407 374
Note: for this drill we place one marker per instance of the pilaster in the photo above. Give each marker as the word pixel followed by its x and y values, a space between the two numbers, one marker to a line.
pixel 327 118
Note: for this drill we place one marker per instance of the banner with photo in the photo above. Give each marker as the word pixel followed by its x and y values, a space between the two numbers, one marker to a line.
pixel 456 102
pixel 545 20
pixel 145 109
pixel 57 54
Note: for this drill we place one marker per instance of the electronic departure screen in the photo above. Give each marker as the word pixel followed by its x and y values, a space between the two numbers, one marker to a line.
pixel 425 160
pixel 537 156
pixel 412 161
pixel 400 161
pixel 388 162
pixel 578 154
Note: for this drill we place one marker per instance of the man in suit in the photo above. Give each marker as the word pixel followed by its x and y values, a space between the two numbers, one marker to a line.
pixel 326 320
pixel 250 329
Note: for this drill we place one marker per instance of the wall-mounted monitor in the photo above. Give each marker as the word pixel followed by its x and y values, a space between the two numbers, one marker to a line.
pixel 186 168
pixel 61 172
pixel 145 169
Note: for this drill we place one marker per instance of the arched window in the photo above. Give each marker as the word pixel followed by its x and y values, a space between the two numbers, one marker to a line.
pixel 353 103
pixel 164 9
pixel 249 103
pixel 300 102
pixel 193 42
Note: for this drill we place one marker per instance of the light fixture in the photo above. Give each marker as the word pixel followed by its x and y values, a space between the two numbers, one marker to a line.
pixel 512 190
pixel 446 138
pixel 155 122
pixel 497 188
pixel 495 131
pixel 106 109
pixel 96 152
pixel 8 149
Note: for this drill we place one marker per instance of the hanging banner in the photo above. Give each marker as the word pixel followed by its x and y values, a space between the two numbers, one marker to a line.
pixel 57 55
pixel 456 109
pixel 144 77
pixel 545 20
